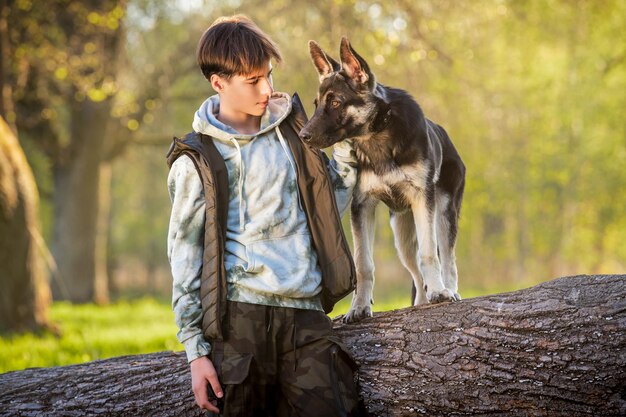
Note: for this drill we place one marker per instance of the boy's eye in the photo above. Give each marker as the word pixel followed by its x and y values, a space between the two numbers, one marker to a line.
pixel 256 80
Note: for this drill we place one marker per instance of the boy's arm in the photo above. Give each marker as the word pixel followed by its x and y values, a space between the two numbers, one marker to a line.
pixel 185 248
pixel 343 172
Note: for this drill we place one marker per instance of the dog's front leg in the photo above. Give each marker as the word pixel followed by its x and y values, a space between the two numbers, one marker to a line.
pixel 424 213
pixel 363 224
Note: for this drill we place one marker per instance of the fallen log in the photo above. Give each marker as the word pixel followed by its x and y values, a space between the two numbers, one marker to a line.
pixel 556 349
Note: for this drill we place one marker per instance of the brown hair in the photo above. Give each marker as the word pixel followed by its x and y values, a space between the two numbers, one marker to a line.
pixel 234 45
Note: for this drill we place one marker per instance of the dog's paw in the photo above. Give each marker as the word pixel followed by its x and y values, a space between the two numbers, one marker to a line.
pixel 357 313
pixel 441 296
pixel 457 296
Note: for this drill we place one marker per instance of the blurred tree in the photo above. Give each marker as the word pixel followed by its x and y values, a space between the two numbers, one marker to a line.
pixel 25 296
pixel 63 70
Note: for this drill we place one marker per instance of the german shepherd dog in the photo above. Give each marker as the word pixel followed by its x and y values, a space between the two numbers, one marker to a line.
pixel 404 160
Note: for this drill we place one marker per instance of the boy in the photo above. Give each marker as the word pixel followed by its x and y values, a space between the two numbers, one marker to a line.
pixel 255 241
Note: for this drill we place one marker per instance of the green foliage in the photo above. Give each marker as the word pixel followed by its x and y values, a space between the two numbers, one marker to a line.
pixel 59 54
pixel 90 332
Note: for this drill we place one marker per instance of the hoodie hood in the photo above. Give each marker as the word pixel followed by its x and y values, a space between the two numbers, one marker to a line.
pixel 206 122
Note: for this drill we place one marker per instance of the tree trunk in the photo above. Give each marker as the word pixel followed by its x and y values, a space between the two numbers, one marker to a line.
pixel 557 349
pixel 25 293
pixel 77 186
pixel 76 198
pixel 101 293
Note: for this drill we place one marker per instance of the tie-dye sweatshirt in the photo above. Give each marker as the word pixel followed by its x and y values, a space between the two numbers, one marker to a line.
pixel 269 258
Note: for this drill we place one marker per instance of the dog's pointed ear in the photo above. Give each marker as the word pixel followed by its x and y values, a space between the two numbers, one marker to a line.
pixel 355 67
pixel 324 64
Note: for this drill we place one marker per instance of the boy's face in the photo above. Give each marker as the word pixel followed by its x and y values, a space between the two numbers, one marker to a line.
pixel 248 94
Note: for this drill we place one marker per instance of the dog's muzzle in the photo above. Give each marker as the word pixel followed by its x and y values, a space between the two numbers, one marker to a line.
pixel 305 135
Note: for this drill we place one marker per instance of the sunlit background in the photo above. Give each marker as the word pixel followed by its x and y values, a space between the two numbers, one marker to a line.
pixel 531 92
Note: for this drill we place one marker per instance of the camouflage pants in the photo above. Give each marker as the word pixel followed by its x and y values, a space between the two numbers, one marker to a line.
pixel 279 361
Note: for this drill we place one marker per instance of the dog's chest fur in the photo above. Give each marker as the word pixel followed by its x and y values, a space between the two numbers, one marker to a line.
pixel 397 186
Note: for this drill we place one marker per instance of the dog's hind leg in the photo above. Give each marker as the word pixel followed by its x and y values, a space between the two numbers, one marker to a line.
pixel 424 212
pixel 447 226
pixel 405 240
pixel 363 224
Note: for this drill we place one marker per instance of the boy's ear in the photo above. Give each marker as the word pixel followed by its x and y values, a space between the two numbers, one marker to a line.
pixel 355 67
pixel 324 64
pixel 217 82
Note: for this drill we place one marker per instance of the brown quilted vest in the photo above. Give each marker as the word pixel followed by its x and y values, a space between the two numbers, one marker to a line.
pixel 318 200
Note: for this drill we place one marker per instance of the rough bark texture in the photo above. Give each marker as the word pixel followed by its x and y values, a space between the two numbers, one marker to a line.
pixel 557 349
pixel 24 289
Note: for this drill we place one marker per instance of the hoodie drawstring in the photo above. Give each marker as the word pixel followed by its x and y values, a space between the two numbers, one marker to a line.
pixel 283 143
pixel 242 173
pixel 242 203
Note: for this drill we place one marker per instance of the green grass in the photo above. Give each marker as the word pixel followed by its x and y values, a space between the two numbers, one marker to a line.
pixel 89 332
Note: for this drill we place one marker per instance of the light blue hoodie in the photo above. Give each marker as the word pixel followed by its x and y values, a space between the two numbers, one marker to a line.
pixel 269 257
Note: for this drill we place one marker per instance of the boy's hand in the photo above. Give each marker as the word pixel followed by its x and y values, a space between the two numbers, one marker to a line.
pixel 202 374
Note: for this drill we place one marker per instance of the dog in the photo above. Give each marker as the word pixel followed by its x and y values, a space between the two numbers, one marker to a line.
pixel 404 160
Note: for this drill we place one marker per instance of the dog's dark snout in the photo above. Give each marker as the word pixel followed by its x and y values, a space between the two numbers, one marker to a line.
pixel 304 135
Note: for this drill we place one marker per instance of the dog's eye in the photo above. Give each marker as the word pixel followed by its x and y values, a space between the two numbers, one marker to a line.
pixel 335 103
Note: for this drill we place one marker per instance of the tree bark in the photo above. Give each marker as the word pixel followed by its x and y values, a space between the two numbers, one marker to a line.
pixel 557 349
pixel 25 293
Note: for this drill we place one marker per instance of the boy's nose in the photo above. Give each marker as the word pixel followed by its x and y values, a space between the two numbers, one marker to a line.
pixel 267 89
